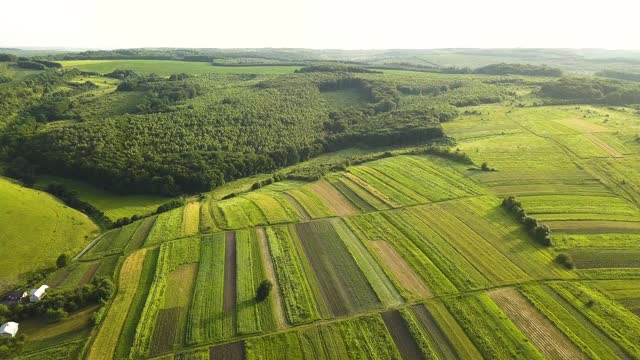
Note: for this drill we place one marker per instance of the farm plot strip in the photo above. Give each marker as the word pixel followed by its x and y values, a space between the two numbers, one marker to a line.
pixel 593 258
pixel 383 287
pixel 206 312
pixel 348 193
pixel 376 227
pixel 441 343
pixel 451 330
pixel 614 320
pixel 141 234
pixel 164 335
pixel 104 345
pixel 403 339
pixel 459 271
pixel 299 300
pixel 543 334
pixel 490 329
pixel 581 331
pixel 302 212
pixel 191 219
pixel 340 205
pixel 230 275
pixel 343 285
pixel 593 227
pixel 478 251
pixel 312 204
pixel 400 270
pixel 270 273
pixel 231 351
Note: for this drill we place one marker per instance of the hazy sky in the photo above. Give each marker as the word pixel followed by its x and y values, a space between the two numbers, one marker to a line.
pixel 347 24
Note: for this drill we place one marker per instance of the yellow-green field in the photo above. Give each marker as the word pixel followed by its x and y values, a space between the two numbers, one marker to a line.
pixel 36 228
pixel 113 205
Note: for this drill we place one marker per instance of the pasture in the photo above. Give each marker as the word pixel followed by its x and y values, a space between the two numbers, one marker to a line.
pixel 37 228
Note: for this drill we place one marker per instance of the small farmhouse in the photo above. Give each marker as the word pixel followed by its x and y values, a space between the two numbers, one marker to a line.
pixel 37 294
pixel 9 329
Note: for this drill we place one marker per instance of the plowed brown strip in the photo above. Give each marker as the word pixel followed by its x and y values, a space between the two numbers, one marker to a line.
pixel 164 333
pixel 229 302
pixel 271 275
pixel 542 333
pixel 430 326
pixel 333 198
pixel 401 271
pixel 405 343
pixel 233 351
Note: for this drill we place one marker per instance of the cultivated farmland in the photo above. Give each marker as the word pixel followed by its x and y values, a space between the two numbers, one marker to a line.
pixel 394 250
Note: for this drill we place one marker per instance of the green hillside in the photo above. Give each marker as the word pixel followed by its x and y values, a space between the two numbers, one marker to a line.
pixel 36 228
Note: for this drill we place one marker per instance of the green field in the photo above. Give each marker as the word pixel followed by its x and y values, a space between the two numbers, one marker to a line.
pixel 377 245
pixel 113 205
pixel 37 228
pixel 166 68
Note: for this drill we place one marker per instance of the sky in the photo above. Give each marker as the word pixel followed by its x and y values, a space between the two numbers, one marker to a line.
pixel 321 24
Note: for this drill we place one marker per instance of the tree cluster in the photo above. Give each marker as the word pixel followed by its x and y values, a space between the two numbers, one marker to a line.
pixel 592 91
pixel 56 305
pixel 540 232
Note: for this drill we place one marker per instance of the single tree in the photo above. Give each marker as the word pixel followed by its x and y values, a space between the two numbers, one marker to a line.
pixel 264 289
pixel 62 261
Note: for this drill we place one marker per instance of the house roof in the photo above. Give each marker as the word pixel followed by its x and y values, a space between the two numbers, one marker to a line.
pixel 9 328
pixel 39 291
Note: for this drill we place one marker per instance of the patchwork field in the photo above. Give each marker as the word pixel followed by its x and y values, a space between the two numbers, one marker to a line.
pixel 403 257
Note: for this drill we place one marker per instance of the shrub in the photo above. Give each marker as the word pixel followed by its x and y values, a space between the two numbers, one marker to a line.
pixel 264 289
pixel 62 261
pixel 566 261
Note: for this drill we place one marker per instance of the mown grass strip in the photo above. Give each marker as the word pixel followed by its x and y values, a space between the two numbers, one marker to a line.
pixel 383 287
pixel 104 345
pixel 206 311
pixel 295 290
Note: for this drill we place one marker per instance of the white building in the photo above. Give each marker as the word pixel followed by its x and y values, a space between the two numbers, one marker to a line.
pixel 37 294
pixel 9 329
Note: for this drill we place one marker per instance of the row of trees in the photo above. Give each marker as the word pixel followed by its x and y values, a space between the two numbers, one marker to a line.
pixel 540 232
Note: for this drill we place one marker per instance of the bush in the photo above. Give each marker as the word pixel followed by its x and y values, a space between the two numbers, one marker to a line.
pixel 55 315
pixel 264 289
pixel 170 205
pixel 62 261
pixel 565 260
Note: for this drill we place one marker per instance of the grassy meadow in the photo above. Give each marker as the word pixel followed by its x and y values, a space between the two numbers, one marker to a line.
pixel 36 228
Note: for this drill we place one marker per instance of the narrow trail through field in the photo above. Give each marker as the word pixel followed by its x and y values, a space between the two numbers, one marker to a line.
pixel 542 333
pixel 281 319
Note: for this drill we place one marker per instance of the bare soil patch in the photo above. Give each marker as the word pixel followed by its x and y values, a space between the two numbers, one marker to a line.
pixel 333 198
pixel 232 351
pixel 164 333
pixel 405 343
pixel 401 271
